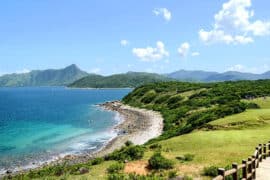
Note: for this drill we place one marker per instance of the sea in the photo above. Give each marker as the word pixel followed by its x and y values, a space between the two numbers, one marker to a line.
pixel 41 124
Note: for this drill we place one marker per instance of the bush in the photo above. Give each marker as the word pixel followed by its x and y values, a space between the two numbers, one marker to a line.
pixel 128 143
pixel 155 146
pixel 97 161
pixel 210 171
pixel 172 174
pixel 127 153
pixel 252 106
pixel 149 97
pixel 157 161
pixel 115 168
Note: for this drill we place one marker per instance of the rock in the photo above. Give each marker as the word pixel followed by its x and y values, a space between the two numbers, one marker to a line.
pixel 8 171
pixel 126 161
pixel 83 170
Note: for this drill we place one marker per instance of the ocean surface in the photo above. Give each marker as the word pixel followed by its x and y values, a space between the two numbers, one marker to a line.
pixel 40 124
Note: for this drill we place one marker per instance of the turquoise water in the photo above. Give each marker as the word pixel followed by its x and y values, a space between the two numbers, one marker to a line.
pixel 41 124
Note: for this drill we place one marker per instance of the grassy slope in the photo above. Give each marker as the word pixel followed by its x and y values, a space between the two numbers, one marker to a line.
pixel 225 146
pixel 217 147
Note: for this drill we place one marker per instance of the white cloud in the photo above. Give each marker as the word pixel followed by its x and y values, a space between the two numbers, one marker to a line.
pixel 195 54
pixel 184 49
pixel 124 42
pixel 167 15
pixel 237 67
pixel 23 71
pixel 233 25
pixel 95 70
pixel 151 54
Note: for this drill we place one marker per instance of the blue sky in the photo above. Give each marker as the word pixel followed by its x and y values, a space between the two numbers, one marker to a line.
pixel 117 36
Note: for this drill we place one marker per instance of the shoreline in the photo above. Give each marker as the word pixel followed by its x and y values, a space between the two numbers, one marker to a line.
pixel 136 125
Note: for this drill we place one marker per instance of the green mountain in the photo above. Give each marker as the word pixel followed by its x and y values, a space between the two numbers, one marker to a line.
pixel 50 77
pixel 128 80
pixel 205 76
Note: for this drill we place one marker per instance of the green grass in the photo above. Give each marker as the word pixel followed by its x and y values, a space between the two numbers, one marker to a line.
pixel 248 119
pixel 262 102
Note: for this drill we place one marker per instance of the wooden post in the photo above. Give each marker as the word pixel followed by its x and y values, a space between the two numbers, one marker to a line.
pixel 254 167
pixel 249 171
pixel 235 175
pixel 244 169
pixel 264 151
pixel 260 149
pixel 268 148
pixel 257 156
pixel 221 172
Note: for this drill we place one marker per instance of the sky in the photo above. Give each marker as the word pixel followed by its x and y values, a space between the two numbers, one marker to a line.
pixel 108 37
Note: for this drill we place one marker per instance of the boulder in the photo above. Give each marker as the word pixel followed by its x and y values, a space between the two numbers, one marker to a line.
pixel 83 170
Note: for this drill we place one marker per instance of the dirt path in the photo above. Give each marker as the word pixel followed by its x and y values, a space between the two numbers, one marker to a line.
pixel 263 172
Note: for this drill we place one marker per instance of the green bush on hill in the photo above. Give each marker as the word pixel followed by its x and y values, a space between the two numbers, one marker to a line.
pixel 157 161
pixel 130 152
pixel 188 106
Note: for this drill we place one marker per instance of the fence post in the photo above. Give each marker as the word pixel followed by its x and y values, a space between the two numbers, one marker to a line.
pixel 235 175
pixel 269 148
pixel 254 167
pixel 257 156
pixel 249 166
pixel 221 172
pixel 260 149
pixel 264 151
pixel 244 169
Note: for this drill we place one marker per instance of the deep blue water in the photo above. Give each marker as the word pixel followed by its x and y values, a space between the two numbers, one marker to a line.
pixel 38 124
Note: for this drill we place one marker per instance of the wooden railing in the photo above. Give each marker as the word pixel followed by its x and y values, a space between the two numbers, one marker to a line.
pixel 248 166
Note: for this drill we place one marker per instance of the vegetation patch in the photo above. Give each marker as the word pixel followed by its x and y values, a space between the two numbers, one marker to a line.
pixel 115 168
pixel 206 101
pixel 157 161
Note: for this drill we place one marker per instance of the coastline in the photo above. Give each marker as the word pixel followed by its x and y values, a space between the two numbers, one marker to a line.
pixel 136 125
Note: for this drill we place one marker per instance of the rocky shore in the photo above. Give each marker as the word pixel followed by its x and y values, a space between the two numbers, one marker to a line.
pixel 138 126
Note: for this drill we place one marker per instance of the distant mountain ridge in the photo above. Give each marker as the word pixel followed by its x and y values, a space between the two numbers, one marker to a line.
pixel 127 80
pixel 72 76
pixel 50 77
pixel 204 76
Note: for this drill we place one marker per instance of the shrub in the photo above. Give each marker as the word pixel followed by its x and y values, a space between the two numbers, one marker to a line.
pixel 128 143
pixel 149 97
pixel 97 161
pixel 127 153
pixel 252 106
pixel 155 146
pixel 210 171
pixel 162 99
pixel 157 161
pixel 115 168
pixel 172 174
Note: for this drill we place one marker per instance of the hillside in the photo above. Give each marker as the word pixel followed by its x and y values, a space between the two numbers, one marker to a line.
pixel 204 126
pixel 50 77
pixel 128 80
pixel 205 76
pixel 189 106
